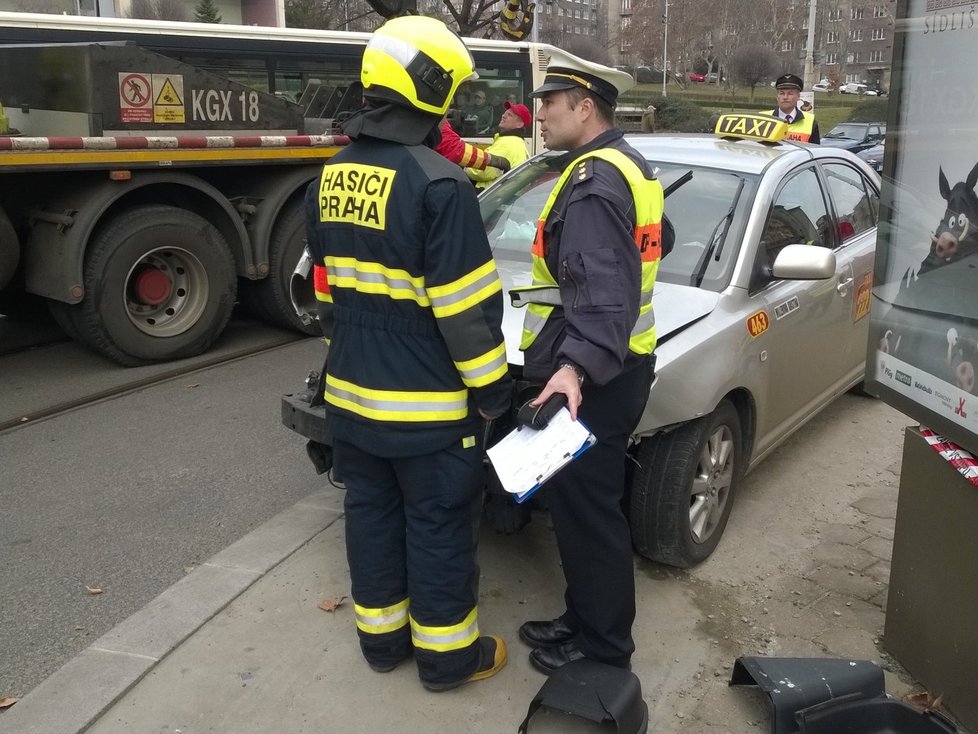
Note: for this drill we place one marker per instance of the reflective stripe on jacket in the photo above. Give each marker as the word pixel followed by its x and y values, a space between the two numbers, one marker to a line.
pixel 801 129
pixel 544 294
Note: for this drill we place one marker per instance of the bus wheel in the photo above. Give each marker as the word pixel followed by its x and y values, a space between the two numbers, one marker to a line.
pixel 159 285
pixel 269 298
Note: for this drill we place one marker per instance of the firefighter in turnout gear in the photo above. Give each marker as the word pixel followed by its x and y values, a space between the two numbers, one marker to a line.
pixel 411 308
pixel 589 333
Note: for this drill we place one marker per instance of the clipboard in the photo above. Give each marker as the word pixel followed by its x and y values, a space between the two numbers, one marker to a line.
pixel 526 458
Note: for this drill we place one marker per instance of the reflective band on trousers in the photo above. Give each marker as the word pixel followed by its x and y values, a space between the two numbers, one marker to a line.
pixel 397 405
pixel 444 639
pixel 801 130
pixel 385 619
pixel 544 295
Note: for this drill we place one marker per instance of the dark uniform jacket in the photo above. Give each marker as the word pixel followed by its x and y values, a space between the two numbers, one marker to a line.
pixel 590 249
pixel 390 243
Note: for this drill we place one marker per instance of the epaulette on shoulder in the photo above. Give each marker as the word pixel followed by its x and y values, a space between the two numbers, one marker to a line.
pixel 583 171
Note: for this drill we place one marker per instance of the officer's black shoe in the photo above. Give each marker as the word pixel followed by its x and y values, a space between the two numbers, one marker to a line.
pixel 492 658
pixel 541 634
pixel 547 659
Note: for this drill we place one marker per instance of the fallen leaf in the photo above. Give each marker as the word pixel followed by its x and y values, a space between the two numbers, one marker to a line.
pixel 195 384
pixel 330 605
pixel 78 629
pixel 6 702
pixel 924 700
pixel 93 591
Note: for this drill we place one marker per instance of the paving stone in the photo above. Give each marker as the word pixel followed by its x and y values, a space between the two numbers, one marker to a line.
pixel 846 534
pixel 846 581
pixel 851 612
pixel 850 642
pixel 877 506
pixel 788 621
pixel 799 590
pixel 880 526
pixel 879 547
pixel 843 556
pixel 879 571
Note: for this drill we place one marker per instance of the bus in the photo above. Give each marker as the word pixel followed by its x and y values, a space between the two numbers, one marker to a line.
pixel 315 68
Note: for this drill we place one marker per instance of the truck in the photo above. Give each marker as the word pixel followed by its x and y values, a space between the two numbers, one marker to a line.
pixel 142 196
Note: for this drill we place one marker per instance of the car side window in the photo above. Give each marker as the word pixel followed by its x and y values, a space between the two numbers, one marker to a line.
pixel 798 216
pixel 856 204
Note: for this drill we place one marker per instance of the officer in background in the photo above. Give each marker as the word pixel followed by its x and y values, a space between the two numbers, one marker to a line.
pixel 411 307
pixel 801 126
pixel 589 333
pixel 509 144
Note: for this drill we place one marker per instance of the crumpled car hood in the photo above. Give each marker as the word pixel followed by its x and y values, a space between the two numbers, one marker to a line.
pixel 676 306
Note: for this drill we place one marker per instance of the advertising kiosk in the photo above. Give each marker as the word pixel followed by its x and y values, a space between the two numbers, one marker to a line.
pixel 923 350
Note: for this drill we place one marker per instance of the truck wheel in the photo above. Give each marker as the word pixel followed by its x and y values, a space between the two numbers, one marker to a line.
pixel 159 285
pixel 684 486
pixel 269 298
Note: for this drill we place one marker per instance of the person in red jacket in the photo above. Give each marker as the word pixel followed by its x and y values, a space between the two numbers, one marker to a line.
pixel 465 154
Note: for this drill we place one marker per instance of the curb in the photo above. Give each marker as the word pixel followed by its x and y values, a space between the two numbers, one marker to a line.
pixel 73 697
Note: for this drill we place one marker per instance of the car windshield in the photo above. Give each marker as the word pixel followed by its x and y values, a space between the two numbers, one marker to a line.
pixel 848 131
pixel 707 211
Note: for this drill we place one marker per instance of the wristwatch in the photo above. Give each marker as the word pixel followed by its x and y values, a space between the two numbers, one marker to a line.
pixel 574 368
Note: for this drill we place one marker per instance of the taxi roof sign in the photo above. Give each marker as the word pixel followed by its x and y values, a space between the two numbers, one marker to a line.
pixel 765 128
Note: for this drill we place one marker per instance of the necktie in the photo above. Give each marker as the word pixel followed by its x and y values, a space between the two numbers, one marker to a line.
pixel 788 119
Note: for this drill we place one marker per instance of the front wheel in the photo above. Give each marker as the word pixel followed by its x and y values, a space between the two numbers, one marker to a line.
pixel 684 486
pixel 159 285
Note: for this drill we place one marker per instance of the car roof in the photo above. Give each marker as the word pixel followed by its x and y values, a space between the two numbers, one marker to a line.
pixel 710 151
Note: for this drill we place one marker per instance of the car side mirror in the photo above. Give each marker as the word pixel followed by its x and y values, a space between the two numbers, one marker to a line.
pixel 804 262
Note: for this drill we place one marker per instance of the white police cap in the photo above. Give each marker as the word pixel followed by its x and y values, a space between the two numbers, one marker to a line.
pixel 566 71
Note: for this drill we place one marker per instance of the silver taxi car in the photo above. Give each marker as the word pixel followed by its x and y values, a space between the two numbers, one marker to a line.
pixel 761 313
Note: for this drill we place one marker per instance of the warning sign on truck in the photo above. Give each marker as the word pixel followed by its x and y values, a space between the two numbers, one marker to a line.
pixel 168 98
pixel 151 98
pixel 135 97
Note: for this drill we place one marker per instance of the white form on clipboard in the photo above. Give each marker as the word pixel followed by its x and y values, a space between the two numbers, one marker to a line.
pixel 526 458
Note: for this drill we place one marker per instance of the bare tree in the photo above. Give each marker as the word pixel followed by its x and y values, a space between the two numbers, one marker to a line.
pixel 753 65
pixel 158 10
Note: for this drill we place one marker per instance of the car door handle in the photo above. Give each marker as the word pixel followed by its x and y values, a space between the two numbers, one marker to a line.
pixel 843 285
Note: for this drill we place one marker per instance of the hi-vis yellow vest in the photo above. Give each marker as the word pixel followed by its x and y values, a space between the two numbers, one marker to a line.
pixel 801 130
pixel 541 297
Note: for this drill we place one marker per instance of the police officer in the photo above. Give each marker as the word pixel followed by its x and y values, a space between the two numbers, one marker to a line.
pixel 589 333
pixel 801 127
pixel 411 307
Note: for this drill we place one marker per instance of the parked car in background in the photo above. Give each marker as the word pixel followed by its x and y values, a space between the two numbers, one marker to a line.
pixel 822 87
pixel 695 76
pixel 858 88
pixel 873 156
pixel 713 78
pixel 855 136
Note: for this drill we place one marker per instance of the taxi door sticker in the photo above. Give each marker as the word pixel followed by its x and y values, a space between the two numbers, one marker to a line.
pixel 356 194
pixel 863 297
pixel 757 323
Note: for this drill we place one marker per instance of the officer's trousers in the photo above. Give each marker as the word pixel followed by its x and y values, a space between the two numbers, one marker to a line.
pixel 592 532
pixel 411 526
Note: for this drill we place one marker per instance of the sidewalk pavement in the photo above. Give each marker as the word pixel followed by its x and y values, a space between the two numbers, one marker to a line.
pixel 240 644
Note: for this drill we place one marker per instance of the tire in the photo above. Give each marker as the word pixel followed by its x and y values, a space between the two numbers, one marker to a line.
pixel 269 298
pixel 159 285
pixel 684 487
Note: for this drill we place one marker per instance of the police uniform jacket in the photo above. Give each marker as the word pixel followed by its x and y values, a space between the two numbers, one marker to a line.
pixel 412 305
pixel 590 248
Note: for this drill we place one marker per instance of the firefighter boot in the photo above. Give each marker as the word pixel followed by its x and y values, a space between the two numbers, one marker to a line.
pixel 492 658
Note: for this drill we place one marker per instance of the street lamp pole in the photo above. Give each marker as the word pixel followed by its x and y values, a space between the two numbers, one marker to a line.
pixel 665 46
pixel 535 29
pixel 810 53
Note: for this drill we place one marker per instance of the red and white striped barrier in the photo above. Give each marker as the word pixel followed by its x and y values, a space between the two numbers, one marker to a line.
pixel 174 142
pixel 964 462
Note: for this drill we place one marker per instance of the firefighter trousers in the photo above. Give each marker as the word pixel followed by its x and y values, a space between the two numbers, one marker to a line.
pixel 593 536
pixel 411 535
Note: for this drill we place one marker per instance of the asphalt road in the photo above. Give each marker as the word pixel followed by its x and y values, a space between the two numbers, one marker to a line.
pixel 128 494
